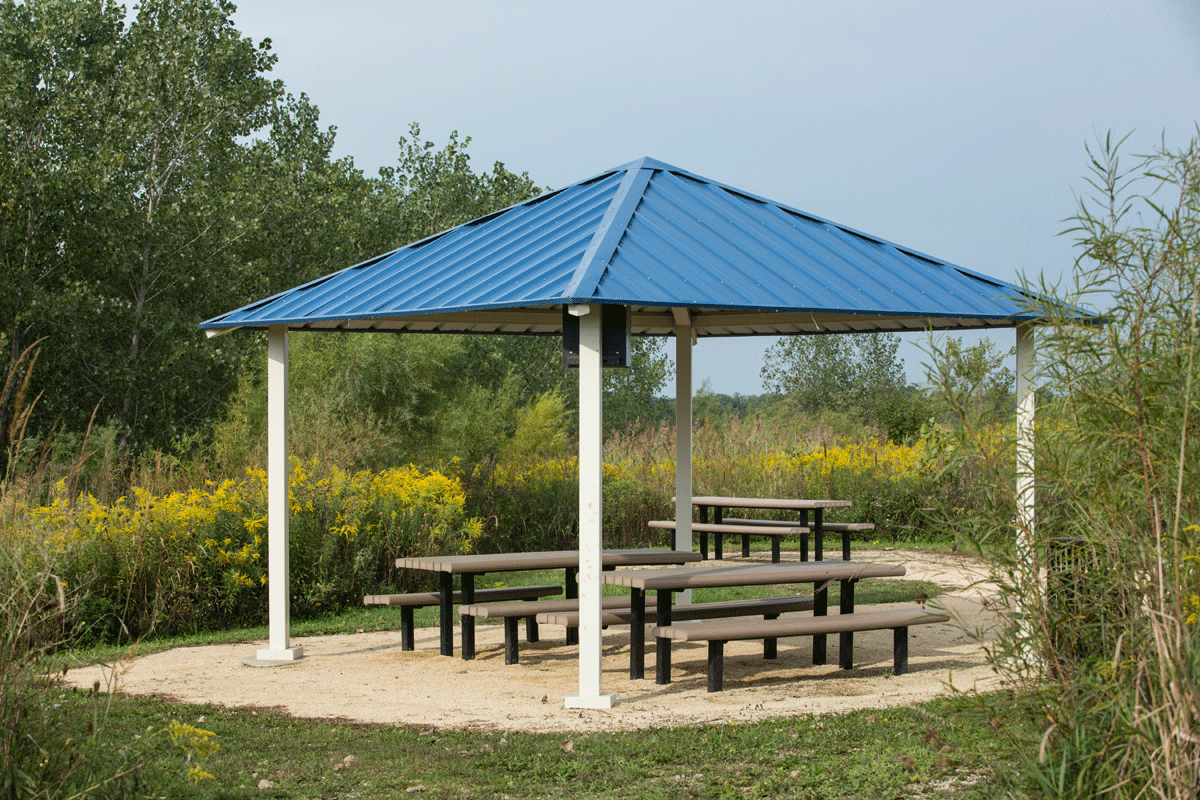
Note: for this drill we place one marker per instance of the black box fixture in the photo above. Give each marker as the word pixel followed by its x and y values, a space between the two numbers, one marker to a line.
pixel 616 326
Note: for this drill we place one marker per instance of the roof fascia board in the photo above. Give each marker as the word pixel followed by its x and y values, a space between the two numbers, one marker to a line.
pixel 700 320
pixel 706 319
pixel 608 234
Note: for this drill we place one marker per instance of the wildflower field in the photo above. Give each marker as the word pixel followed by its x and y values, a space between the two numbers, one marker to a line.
pixel 154 563
pixel 906 490
pixel 161 564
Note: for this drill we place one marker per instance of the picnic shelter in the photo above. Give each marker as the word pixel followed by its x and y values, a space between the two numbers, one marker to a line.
pixel 644 249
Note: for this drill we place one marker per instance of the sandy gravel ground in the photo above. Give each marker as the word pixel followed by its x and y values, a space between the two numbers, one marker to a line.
pixel 367 677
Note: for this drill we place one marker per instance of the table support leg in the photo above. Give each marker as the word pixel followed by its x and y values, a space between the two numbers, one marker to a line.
pixel 846 638
pixel 899 651
pixel 804 536
pixel 637 635
pixel 468 622
pixel 703 511
pixel 511 647
pixel 718 548
pixel 820 609
pixel 662 645
pixel 571 592
pixel 406 629
pixel 716 665
pixel 770 645
pixel 746 545
pixel 446 611
pixel 818 535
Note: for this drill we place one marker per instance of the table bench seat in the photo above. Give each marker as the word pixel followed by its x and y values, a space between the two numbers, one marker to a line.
pixel 414 600
pixel 532 611
pixel 777 529
pixel 769 607
pixel 705 528
pixel 783 526
pixel 718 633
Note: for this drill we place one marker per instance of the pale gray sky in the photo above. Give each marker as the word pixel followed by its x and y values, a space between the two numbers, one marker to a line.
pixel 957 129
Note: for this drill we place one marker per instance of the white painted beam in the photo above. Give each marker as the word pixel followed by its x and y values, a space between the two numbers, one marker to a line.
pixel 591 499
pixel 684 339
pixel 1026 402
pixel 279 614
pixel 1029 575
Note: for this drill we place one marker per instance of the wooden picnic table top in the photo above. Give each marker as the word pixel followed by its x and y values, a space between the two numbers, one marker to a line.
pixel 750 574
pixel 782 528
pixel 789 503
pixel 477 563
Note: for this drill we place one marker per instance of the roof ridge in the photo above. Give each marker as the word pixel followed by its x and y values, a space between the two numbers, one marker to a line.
pixel 609 232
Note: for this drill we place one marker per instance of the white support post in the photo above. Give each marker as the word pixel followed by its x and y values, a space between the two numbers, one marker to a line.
pixel 279 647
pixel 591 497
pixel 1028 572
pixel 1026 369
pixel 683 438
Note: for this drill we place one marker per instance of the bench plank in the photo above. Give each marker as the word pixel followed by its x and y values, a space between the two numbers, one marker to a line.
pixel 532 612
pixel 542 607
pixel 768 607
pixel 414 600
pixel 771 527
pixel 423 599
pixel 718 633
pixel 714 610
pixel 837 527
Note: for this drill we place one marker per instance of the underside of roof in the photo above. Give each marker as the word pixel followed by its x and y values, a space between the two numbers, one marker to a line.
pixel 658 239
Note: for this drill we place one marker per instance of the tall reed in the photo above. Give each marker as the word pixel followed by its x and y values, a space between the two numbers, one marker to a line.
pixel 1103 612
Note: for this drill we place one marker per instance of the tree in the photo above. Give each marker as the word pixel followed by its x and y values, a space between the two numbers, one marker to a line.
pixel 856 372
pixel 311 214
pixel 141 131
pixel 192 87
pixel 431 190
pixel 973 381
pixel 57 68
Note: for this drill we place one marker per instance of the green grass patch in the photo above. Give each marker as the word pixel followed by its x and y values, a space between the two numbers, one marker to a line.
pixel 898 752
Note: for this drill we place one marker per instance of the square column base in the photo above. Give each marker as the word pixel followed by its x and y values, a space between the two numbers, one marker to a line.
pixel 287 654
pixel 590 701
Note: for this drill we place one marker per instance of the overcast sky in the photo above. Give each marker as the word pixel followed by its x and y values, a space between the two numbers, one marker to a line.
pixel 957 129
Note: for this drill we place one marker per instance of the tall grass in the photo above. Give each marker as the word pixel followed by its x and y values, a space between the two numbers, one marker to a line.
pixel 43 753
pixel 533 504
pixel 894 486
pixel 1103 614
pixel 196 559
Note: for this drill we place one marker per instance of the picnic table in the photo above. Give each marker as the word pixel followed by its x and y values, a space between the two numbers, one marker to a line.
pixel 470 565
pixel 666 581
pixel 718 505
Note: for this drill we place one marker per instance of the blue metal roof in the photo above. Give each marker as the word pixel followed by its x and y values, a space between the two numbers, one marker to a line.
pixel 656 238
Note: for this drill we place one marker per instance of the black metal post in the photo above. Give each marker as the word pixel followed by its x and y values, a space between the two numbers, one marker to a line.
pixel 662 645
pixel 846 638
pixel 468 621
pixel 446 611
pixel 571 592
pixel 899 651
pixel 820 609
pixel 637 635
pixel 716 665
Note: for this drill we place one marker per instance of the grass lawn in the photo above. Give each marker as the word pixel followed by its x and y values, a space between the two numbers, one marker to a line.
pixel 943 748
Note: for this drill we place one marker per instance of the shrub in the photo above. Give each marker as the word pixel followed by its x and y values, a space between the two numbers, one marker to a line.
pixel 197 559
pixel 1107 650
